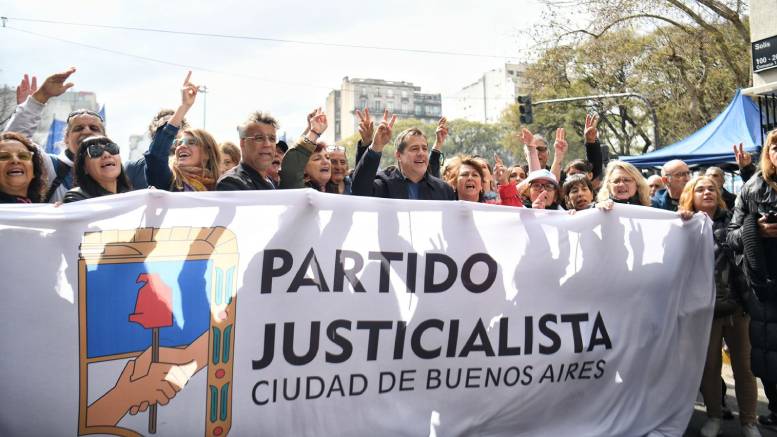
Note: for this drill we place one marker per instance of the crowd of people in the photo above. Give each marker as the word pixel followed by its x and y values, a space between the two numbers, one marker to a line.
pixel 181 158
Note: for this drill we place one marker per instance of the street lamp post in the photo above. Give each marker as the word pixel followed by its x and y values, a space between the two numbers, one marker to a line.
pixel 204 90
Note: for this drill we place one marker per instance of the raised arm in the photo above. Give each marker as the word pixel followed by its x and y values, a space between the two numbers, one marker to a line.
pixel 158 173
pixel 530 150
pixel 436 155
pixel 593 149
pixel 294 161
pixel 560 148
pixel 26 117
pixel 366 131
pixel 367 167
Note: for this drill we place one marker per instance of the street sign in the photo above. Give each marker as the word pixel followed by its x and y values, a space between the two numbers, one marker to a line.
pixel 765 54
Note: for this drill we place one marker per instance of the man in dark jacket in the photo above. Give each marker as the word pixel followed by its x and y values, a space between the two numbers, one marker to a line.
pixel 410 180
pixel 675 175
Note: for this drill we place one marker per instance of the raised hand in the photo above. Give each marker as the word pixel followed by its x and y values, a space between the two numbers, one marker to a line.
pixel 527 137
pixel 26 89
pixel 441 133
pixel 366 126
pixel 500 171
pixel 541 201
pixel 383 132
pixel 54 85
pixel 560 146
pixel 317 124
pixel 188 91
pixel 743 158
pixel 591 133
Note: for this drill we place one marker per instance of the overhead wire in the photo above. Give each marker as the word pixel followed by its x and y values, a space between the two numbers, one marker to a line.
pixel 267 39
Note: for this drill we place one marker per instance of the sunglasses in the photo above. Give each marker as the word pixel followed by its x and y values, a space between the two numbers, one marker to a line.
pixel 24 155
pixel 185 142
pixel 96 150
pixel 78 112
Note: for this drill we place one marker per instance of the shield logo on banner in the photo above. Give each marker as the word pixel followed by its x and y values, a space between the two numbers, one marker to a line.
pixel 156 330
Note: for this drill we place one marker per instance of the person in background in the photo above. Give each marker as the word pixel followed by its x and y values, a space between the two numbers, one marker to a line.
pixel 753 237
pixel 340 178
pixel 230 156
pixel 98 170
pixel 730 322
pixel 22 177
pixel 136 170
pixel 490 194
pixel 543 191
pixel 578 192
pixel 675 174
pixel 655 183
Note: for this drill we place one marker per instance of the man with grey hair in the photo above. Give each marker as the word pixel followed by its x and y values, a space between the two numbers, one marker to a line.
pixel 675 175
pixel 258 139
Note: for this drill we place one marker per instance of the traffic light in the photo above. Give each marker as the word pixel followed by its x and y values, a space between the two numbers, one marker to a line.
pixel 524 107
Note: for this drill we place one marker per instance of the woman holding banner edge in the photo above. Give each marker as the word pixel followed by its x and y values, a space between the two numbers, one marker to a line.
pixel 730 321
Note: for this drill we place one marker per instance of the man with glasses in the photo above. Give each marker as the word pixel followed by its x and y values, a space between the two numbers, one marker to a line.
pixel 258 142
pixel 81 124
pixel 675 175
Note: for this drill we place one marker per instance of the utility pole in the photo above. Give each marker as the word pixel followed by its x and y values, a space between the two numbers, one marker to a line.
pixel 204 90
pixel 644 99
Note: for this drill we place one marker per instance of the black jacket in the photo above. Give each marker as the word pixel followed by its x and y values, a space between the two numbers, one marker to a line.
pixel 392 184
pixel 758 259
pixel 731 288
pixel 243 177
pixel 78 193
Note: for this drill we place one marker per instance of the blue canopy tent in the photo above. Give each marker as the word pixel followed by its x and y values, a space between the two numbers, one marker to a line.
pixel 740 122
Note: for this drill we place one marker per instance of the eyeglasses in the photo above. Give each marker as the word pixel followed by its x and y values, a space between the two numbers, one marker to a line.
pixel 679 174
pixel 261 138
pixel 96 150
pixel 335 149
pixel 546 187
pixel 542 149
pixel 185 142
pixel 624 180
pixel 24 155
pixel 78 112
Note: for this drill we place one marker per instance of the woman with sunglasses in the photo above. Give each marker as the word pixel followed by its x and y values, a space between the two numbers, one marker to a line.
pixel 22 178
pixel 98 170
pixel 195 163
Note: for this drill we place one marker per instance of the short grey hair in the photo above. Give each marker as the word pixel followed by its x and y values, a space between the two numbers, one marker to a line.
pixel 257 117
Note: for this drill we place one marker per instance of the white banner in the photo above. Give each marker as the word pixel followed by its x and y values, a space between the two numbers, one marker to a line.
pixel 298 313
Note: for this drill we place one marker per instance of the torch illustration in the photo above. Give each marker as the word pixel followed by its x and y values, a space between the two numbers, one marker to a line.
pixel 153 310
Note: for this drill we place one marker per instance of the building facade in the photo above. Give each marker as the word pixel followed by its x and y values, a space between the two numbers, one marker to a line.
pixel 401 98
pixel 486 99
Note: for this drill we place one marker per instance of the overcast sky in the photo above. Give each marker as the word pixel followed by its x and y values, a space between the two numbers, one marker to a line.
pixel 245 75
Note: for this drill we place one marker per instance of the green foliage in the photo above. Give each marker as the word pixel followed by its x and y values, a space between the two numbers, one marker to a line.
pixel 684 74
pixel 464 137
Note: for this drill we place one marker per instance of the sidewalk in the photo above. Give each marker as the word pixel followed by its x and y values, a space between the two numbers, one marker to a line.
pixel 730 428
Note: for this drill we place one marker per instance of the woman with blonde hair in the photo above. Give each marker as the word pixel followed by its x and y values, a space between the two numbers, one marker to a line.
pixel 623 183
pixel 195 164
pixel 730 321
pixel 753 236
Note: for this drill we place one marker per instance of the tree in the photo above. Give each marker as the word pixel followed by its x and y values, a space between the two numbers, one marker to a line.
pixel 465 138
pixel 687 79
